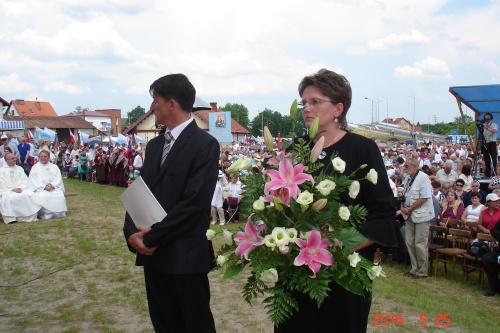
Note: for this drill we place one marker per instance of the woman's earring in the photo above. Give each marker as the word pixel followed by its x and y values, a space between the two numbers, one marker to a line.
pixel 336 120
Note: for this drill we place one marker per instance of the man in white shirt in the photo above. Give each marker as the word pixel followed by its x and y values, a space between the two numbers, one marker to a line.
pixel 489 148
pixel 46 179
pixel 16 193
pixel 447 174
pixel 138 160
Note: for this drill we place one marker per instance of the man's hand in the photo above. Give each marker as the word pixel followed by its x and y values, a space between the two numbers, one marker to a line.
pixel 49 187
pixel 17 190
pixel 137 242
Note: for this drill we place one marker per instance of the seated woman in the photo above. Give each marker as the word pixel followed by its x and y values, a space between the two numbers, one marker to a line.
pixel 466 177
pixel 495 180
pixel 472 211
pixel 489 216
pixel 459 189
pixel 452 208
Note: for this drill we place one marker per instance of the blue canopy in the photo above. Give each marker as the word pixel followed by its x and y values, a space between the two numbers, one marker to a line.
pixel 481 99
pixel 6 125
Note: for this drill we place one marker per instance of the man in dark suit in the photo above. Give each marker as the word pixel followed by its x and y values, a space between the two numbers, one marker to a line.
pixel 474 187
pixel 175 252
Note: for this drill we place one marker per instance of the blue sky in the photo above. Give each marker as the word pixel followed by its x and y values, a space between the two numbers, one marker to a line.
pixel 106 54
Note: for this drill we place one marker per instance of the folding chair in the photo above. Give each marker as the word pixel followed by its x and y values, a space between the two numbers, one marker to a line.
pixel 472 263
pixel 232 208
pixel 437 240
pixel 460 241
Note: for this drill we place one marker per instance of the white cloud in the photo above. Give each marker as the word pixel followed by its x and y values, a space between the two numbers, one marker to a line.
pixel 13 83
pixel 65 88
pixel 412 37
pixel 13 8
pixel 429 67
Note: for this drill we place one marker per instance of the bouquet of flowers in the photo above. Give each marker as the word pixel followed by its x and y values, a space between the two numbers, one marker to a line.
pixel 298 233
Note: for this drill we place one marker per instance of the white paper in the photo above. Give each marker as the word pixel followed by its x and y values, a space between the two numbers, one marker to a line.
pixel 141 204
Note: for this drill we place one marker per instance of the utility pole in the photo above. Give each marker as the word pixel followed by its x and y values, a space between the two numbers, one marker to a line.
pixel 372 106
pixel 387 101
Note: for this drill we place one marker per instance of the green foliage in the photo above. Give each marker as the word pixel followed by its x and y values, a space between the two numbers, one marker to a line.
pixel 239 112
pixel 135 114
pixel 280 305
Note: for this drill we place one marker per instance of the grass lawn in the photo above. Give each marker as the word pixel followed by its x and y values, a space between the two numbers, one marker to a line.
pixel 76 275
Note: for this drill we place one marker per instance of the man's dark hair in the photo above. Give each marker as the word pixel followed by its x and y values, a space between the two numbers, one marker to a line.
pixel 177 87
pixel 488 114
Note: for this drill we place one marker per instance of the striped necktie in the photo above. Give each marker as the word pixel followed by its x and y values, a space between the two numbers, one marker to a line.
pixel 166 146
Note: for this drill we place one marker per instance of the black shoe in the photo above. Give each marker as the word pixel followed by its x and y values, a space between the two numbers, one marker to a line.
pixel 490 293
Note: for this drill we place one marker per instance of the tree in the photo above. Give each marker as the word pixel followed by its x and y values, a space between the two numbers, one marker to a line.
pixel 80 109
pixel 239 112
pixel 135 114
pixel 277 123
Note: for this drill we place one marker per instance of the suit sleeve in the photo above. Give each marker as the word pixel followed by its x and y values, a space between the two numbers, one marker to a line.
pixel 190 216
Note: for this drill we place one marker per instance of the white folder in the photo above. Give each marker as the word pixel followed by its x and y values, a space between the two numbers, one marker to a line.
pixel 141 204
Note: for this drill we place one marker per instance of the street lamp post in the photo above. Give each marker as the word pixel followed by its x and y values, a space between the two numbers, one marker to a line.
pixel 378 109
pixel 387 101
pixel 413 120
pixel 372 106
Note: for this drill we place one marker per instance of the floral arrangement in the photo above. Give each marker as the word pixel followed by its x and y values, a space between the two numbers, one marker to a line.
pixel 298 234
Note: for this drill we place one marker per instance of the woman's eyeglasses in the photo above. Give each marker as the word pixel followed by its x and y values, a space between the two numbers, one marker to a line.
pixel 314 102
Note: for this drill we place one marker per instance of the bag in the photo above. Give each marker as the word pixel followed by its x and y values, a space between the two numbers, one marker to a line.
pixel 479 248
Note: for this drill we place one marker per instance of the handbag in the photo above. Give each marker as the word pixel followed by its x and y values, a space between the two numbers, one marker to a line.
pixel 479 248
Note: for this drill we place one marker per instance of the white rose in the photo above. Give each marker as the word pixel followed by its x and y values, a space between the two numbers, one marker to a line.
pixel 292 234
pixel 228 236
pixel 269 276
pixel 338 164
pixel 354 189
pixel 375 272
pixel 210 234
pixel 259 205
pixel 325 186
pixel 221 260
pixel 372 176
pixel 305 198
pixel 354 259
pixel 269 241
pixel 344 213
pixel 280 236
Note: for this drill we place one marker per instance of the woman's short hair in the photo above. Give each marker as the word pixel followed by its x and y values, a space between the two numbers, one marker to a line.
pixel 476 194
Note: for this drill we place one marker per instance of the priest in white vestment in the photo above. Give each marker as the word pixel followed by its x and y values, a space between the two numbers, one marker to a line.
pixel 46 179
pixel 16 193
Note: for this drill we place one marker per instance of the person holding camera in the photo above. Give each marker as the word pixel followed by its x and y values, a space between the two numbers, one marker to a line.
pixel 418 209
pixel 489 147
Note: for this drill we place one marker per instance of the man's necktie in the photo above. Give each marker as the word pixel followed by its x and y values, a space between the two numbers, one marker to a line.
pixel 166 146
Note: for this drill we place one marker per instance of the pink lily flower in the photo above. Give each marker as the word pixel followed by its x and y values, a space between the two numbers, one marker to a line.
pixel 287 177
pixel 317 149
pixel 248 240
pixel 282 194
pixel 313 252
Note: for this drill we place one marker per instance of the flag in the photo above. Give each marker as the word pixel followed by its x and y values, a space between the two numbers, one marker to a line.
pixel 72 138
pixel 51 133
pixel 122 139
pixel 56 145
pixel 41 134
pixel 138 139
pixel 84 137
pixel 129 140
